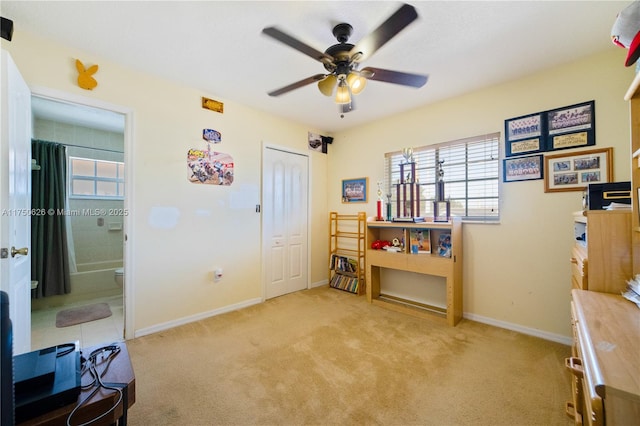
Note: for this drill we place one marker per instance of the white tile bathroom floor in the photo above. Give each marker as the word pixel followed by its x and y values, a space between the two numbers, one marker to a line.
pixel 44 332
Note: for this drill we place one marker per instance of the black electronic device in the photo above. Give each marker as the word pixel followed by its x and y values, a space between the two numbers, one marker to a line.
pixel 601 195
pixel 6 362
pixel 34 370
pixel 6 28
pixel 43 396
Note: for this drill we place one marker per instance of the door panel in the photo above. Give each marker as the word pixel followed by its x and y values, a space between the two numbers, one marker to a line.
pixel 15 200
pixel 285 201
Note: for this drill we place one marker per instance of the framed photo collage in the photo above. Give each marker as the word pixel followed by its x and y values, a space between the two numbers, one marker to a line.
pixel 528 137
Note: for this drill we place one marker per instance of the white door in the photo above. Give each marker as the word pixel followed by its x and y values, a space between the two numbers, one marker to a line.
pixel 284 221
pixel 15 201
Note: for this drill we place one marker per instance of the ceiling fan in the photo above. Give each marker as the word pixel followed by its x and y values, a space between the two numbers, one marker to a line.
pixel 341 61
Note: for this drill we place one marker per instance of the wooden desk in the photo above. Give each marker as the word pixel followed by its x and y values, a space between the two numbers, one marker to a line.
pixel 120 371
pixel 605 363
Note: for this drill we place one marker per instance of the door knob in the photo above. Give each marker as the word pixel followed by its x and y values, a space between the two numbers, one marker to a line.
pixel 23 251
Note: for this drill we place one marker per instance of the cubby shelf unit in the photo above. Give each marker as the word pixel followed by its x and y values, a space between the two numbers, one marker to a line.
pixel 347 247
pixel 448 267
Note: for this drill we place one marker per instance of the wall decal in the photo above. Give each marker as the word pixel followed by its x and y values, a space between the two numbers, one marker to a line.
pixel 315 142
pixel 212 105
pixel 209 167
pixel 211 135
pixel 85 79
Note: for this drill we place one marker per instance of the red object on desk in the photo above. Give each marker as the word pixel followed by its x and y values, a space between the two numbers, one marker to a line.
pixel 379 210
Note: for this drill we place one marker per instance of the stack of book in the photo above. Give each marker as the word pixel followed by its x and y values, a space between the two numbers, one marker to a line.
pixel 346 273
pixel 343 264
pixel 344 282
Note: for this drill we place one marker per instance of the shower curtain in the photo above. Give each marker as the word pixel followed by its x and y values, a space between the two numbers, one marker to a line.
pixel 49 252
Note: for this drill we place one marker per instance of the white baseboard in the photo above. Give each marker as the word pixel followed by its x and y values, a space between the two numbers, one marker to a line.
pixel 520 329
pixel 565 340
pixel 319 284
pixel 186 320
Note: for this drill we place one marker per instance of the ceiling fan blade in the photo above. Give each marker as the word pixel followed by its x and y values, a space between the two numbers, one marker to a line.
pixel 297 84
pixel 397 77
pixel 296 44
pixel 405 15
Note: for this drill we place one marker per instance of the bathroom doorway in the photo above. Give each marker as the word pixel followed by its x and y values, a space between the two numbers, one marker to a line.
pixel 96 138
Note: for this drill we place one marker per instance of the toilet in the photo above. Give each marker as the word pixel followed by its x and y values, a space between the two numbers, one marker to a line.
pixel 119 277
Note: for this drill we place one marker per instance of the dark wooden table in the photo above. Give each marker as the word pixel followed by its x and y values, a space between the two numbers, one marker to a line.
pixel 119 374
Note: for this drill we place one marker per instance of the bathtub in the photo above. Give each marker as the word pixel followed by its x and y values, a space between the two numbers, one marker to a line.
pixel 93 280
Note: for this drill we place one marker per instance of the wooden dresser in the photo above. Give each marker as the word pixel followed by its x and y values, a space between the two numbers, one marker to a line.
pixel 600 259
pixel 605 359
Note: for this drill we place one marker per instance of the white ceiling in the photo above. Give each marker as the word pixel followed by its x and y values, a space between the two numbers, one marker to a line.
pixel 218 48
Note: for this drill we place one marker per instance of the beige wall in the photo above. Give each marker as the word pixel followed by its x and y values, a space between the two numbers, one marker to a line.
pixel 214 226
pixel 517 272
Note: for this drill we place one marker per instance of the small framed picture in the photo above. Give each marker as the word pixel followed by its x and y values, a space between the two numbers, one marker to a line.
pixel 522 168
pixel 524 135
pixel 354 190
pixel 575 171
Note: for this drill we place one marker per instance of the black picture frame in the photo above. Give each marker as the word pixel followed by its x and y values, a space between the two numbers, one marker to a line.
pixel 573 126
pixel 523 168
pixel 524 135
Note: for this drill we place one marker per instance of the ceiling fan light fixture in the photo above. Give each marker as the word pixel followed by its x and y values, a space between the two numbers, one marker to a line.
pixel 326 85
pixel 356 82
pixel 343 94
pixel 345 108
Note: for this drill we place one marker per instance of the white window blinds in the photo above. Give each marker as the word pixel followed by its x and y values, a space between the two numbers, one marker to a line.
pixel 471 174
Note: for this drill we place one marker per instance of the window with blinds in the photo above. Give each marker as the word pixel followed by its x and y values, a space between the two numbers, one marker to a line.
pixel 471 174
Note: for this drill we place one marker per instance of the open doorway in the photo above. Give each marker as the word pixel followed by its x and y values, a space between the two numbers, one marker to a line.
pixel 96 140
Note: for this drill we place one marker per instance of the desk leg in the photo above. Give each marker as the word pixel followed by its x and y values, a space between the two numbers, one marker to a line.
pixel 373 282
pixel 122 421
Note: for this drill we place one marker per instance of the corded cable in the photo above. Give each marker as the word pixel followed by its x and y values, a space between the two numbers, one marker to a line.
pixel 68 348
pixel 90 365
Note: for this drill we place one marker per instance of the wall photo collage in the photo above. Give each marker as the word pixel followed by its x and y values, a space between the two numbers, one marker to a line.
pixel 528 137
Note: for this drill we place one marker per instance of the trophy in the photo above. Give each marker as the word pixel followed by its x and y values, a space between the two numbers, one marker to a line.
pixel 441 207
pixel 379 202
pixel 407 191
pixel 407 153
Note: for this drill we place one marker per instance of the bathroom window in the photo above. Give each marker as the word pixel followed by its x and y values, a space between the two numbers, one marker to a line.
pixel 89 178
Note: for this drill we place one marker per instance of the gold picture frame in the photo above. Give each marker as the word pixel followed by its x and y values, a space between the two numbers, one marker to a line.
pixel 575 171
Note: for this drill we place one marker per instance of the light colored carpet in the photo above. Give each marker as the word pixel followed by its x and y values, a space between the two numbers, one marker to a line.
pixel 74 316
pixel 326 357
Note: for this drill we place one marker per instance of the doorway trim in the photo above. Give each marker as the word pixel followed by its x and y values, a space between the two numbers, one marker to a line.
pixel 60 96
pixel 267 145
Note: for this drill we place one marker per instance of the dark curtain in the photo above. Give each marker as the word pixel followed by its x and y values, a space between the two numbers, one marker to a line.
pixel 49 253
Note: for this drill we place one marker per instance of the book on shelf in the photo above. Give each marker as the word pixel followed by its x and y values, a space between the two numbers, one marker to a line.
pixel 444 244
pixel 420 241
pixel 344 282
pixel 343 264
